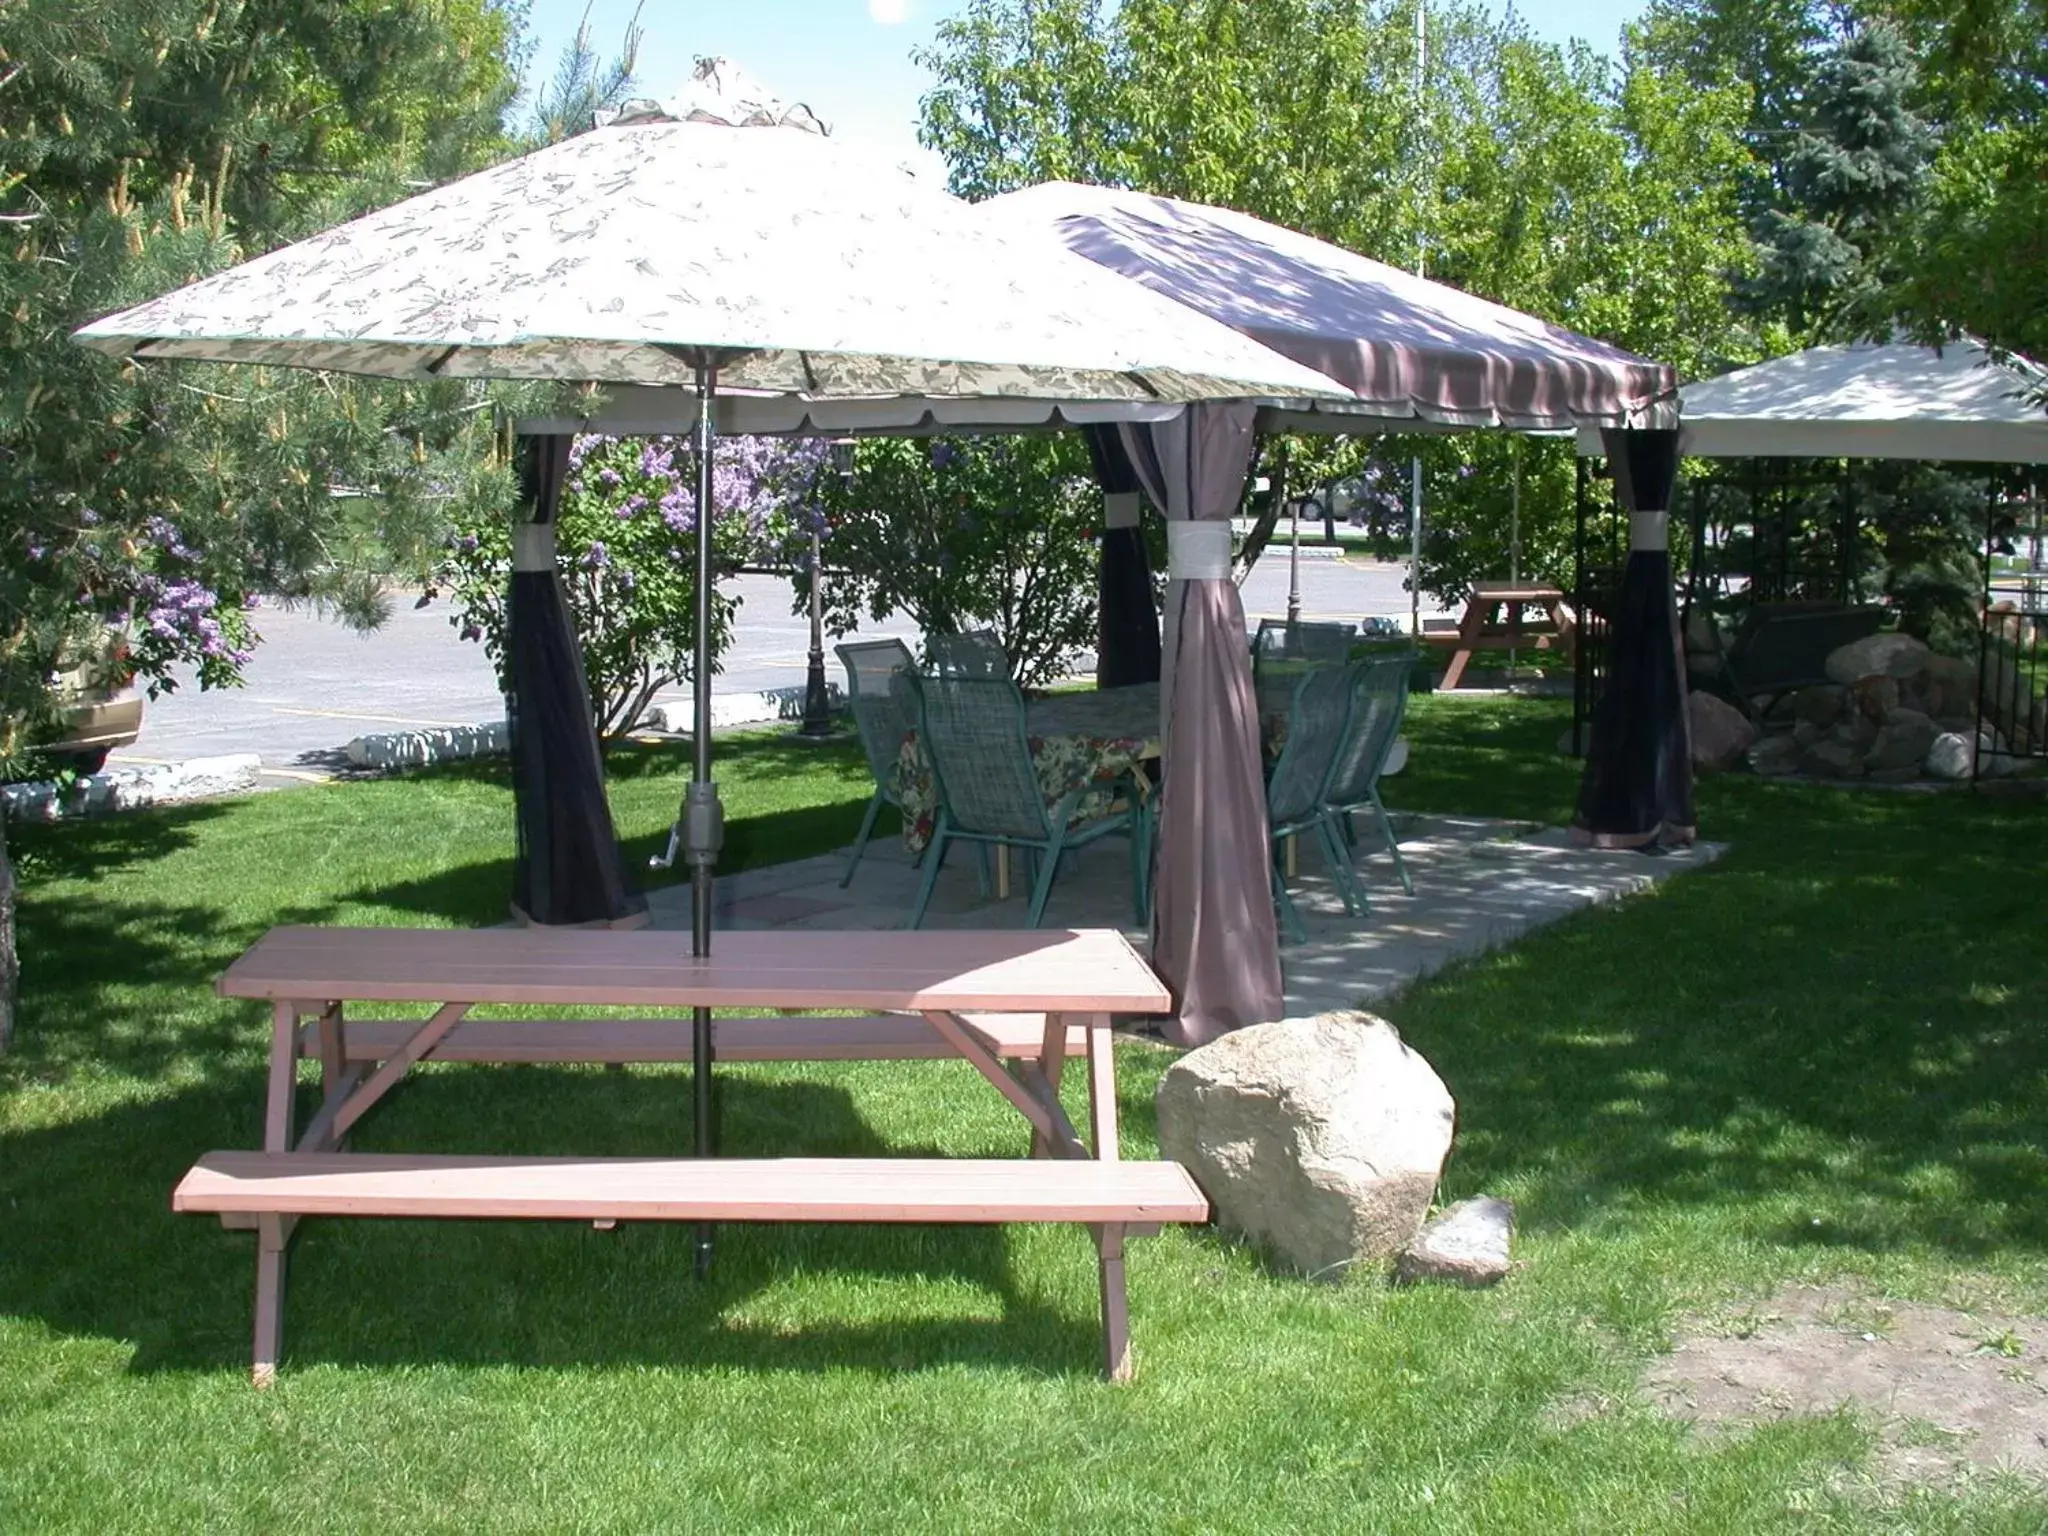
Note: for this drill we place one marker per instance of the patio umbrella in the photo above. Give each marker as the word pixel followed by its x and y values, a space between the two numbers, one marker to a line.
pixel 1412 355
pixel 763 263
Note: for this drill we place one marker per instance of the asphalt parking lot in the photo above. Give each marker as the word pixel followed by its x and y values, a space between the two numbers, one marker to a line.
pixel 314 685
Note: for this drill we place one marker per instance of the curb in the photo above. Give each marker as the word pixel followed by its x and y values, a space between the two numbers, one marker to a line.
pixel 129 789
pixel 455 743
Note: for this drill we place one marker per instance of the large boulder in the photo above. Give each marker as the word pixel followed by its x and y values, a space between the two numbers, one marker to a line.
pixel 1875 697
pixel 1944 688
pixel 1822 704
pixel 1320 1138
pixel 1886 655
pixel 1775 755
pixel 1721 733
pixel 1832 760
pixel 1903 743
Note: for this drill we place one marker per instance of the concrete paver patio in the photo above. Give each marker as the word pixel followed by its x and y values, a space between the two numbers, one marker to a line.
pixel 1479 884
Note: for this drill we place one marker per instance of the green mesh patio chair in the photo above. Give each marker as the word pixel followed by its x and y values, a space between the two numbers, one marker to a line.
pixel 977 653
pixel 1296 792
pixel 1282 652
pixel 883 722
pixel 1379 700
pixel 972 729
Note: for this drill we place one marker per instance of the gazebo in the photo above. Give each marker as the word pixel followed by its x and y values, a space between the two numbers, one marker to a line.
pixel 1413 355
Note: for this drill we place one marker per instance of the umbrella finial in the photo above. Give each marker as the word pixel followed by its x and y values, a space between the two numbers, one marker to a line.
pixel 719 91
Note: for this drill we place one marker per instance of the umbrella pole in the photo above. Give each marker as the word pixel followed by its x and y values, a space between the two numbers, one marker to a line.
pixel 703 816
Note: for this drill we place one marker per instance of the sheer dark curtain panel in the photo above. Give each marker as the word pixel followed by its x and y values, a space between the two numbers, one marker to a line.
pixel 1637 790
pixel 1127 628
pixel 568 870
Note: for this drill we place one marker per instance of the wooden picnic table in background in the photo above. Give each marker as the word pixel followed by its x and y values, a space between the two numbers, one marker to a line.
pixel 1483 629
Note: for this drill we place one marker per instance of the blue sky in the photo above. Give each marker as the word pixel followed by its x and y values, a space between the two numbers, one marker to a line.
pixel 850 59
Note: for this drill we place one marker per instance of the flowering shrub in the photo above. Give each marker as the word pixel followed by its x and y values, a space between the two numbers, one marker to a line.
pixel 626 546
pixel 140 603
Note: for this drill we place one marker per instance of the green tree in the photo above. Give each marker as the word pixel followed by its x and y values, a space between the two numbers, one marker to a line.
pixel 1602 195
pixel 969 533
pixel 1840 239
pixel 144 143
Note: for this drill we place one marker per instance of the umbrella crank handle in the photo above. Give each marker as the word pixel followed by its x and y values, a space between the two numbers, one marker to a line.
pixel 666 859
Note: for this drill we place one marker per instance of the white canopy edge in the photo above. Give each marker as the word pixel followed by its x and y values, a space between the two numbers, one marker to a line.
pixel 1868 401
pixel 1976 442
pixel 642 411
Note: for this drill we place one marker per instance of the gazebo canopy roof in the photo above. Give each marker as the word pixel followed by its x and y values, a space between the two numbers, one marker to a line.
pixel 1407 348
pixel 1869 401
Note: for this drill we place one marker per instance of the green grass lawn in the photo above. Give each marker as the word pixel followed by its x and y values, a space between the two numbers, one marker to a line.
pixel 1823 1058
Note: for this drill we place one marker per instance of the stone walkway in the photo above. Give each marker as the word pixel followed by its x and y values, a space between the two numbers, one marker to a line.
pixel 1479 885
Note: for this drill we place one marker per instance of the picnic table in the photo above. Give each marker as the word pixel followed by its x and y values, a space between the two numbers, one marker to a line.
pixel 1092 736
pixel 1483 627
pixel 1015 1005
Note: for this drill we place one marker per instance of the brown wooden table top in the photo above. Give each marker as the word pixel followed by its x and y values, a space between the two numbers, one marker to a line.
pixel 1006 971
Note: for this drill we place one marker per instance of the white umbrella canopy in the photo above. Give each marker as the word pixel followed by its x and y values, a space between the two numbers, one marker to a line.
pixel 630 253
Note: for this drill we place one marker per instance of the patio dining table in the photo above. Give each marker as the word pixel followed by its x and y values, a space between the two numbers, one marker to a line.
pixel 1095 737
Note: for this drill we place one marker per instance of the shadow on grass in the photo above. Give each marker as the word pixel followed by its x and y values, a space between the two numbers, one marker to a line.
pixel 93 1249
pixel 1835 1034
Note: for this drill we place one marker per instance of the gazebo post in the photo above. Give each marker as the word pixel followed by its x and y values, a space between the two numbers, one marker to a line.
pixel 568 870
pixel 1636 791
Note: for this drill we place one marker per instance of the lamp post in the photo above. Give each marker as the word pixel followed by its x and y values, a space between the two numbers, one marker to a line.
pixel 817 721
pixel 1294 568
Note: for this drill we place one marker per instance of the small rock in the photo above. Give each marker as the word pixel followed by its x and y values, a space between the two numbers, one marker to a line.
pixel 1721 733
pixel 1856 730
pixel 1887 655
pixel 1467 1244
pixel 1775 755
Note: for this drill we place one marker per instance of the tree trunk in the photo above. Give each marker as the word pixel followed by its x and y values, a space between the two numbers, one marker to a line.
pixel 1261 533
pixel 10 963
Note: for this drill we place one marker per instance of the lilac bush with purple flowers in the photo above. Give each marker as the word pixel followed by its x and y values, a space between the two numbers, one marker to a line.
pixel 625 543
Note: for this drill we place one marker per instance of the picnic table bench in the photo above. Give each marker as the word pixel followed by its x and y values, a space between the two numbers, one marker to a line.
pixel 1014 1004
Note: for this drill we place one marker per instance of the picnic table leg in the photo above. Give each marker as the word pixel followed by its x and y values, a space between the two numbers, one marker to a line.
pixel 1052 1058
pixel 272 1231
pixel 1469 629
pixel 1102 1087
pixel 1116 1315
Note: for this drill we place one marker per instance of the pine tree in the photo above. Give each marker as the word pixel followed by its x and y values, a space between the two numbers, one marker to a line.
pixel 142 144
pixel 1852 185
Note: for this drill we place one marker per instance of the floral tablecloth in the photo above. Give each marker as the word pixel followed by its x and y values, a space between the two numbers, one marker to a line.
pixel 1094 737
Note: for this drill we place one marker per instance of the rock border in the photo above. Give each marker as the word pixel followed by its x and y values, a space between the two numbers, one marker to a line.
pixel 131 789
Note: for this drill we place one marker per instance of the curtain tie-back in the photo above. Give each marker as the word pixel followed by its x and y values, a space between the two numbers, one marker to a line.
pixel 1649 530
pixel 1120 509
pixel 533 546
pixel 1198 551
